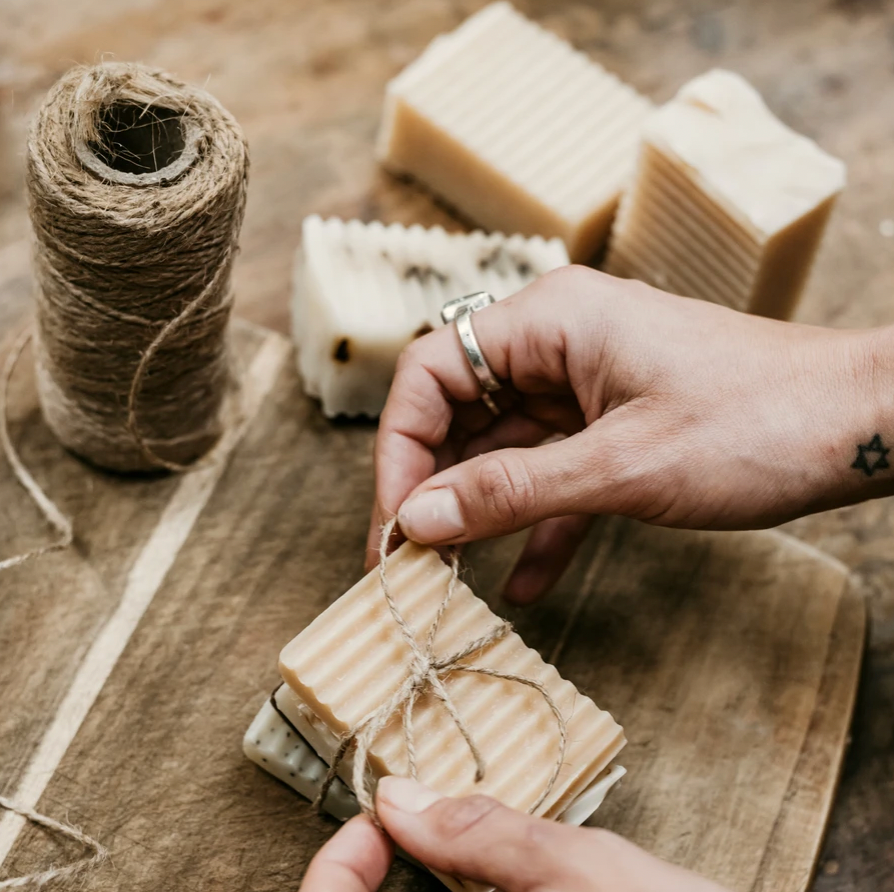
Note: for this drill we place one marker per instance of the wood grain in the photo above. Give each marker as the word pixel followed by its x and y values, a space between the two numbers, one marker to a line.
pixel 305 80
pixel 732 660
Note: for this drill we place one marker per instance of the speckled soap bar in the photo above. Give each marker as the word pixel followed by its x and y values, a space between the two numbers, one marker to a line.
pixel 363 291
pixel 274 742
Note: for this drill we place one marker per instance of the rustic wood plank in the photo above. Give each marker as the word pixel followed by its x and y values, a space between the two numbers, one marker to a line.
pixel 107 597
pixel 713 650
pixel 306 79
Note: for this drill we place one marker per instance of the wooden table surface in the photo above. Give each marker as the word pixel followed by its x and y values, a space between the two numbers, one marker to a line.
pixel 305 79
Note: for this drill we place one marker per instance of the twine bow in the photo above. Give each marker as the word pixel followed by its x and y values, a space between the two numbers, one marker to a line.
pixel 427 673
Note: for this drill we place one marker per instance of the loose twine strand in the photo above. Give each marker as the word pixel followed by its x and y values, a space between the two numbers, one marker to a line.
pixel 427 673
pixel 100 853
pixel 60 523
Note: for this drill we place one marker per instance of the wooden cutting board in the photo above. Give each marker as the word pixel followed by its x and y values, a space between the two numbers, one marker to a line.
pixel 132 662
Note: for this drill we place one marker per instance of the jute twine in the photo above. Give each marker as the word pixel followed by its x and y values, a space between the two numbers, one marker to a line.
pixel 426 673
pixel 136 185
pixel 99 855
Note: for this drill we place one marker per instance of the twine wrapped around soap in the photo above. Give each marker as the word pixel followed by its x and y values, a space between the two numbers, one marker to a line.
pixel 136 185
pixel 426 673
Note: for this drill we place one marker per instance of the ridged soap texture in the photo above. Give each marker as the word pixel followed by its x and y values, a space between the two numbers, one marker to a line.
pixel 363 291
pixel 352 657
pixel 728 204
pixel 516 129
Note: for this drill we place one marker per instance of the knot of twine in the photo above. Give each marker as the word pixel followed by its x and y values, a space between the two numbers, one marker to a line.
pixel 426 673
pixel 136 185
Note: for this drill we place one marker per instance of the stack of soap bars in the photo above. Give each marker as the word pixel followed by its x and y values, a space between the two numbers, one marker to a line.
pixel 353 657
pixel 727 203
pixel 520 133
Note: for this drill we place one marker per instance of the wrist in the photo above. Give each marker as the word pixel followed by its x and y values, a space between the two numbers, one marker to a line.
pixel 860 422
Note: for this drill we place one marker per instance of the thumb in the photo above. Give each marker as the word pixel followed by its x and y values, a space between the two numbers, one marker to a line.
pixel 507 490
pixel 478 839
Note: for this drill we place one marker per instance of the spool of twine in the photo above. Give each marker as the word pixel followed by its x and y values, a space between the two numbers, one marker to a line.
pixel 136 185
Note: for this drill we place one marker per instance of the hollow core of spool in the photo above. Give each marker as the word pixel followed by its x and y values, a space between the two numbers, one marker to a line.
pixel 140 145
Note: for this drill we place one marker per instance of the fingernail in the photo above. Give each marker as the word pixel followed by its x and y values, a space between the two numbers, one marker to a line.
pixel 407 795
pixel 432 516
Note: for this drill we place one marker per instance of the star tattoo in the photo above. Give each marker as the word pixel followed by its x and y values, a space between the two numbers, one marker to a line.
pixel 872 457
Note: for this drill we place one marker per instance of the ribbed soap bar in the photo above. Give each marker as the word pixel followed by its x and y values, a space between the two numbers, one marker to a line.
pixel 727 204
pixel 516 129
pixel 274 743
pixel 352 658
pixel 363 291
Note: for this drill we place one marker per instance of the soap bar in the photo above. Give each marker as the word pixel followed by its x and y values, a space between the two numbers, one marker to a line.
pixel 363 291
pixel 274 743
pixel 352 658
pixel 727 203
pixel 515 129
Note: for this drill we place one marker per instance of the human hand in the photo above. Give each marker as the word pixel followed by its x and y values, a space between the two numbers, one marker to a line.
pixel 673 411
pixel 478 839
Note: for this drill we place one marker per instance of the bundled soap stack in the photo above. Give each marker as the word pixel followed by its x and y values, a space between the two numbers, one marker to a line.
pixel 353 658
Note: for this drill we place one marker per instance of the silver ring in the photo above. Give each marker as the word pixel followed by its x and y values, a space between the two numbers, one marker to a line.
pixel 459 311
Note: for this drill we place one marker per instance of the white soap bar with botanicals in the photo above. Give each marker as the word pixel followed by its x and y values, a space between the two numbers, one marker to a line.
pixel 516 129
pixel 363 291
pixel 727 204
pixel 275 743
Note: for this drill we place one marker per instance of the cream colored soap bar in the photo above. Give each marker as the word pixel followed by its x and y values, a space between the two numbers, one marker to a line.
pixel 275 743
pixel 363 291
pixel 516 129
pixel 727 204
pixel 353 657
